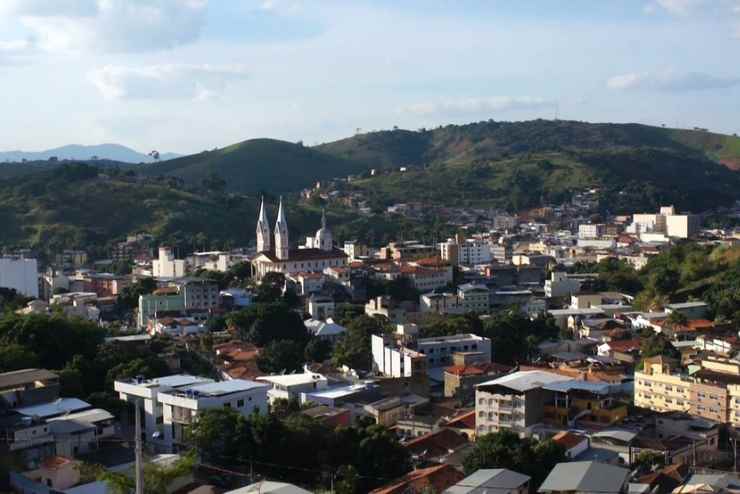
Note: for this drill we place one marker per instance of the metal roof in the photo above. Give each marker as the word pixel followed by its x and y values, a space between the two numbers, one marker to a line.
pixel 526 380
pixel 585 476
pixel 58 407
pixel 490 479
pixel 25 376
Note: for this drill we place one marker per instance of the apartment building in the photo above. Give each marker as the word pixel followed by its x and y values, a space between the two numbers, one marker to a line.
pixel 293 386
pixel 390 359
pixel 20 274
pixel 439 351
pixel 146 392
pixel 468 252
pixel 474 298
pixel 662 387
pixel 199 294
pixel 167 266
pixel 515 401
pixel 180 407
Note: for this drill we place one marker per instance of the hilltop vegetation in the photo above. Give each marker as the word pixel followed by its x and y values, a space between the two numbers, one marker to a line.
pixel 211 197
pixel 257 165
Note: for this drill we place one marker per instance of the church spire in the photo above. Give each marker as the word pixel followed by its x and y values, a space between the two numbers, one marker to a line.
pixel 281 233
pixel 323 218
pixel 264 239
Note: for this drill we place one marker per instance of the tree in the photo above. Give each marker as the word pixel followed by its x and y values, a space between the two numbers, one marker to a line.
pixel 317 350
pixel 16 357
pixel 157 478
pixel 505 449
pixel 658 344
pixel 129 296
pixel 262 323
pixel 353 349
pixel 218 434
pixel 647 460
pixel 281 356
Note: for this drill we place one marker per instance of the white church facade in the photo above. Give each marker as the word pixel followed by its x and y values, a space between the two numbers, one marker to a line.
pixel 275 255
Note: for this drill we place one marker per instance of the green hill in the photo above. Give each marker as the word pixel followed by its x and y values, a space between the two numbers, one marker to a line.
pixel 491 140
pixel 257 165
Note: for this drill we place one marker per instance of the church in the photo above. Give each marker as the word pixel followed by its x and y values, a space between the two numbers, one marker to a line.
pixel 275 254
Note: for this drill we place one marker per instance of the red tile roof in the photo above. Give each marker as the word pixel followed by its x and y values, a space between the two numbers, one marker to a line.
pixel 567 439
pixel 438 478
pixel 437 443
pixel 478 369
pixel 463 421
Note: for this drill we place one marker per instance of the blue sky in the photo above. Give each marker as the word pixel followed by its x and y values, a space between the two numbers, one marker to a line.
pixel 188 75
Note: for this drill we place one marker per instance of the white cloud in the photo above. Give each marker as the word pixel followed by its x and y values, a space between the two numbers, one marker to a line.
pixel 170 81
pixel 670 81
pixel 109 25
pixel 679 7
pixel 476 106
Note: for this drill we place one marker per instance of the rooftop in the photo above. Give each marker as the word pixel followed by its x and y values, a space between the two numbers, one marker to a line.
pixel 173 381
pixel 25 376
pixel 489 480
pixel 222 388
pixel 57 407
pixel 585 476
pixel 293 379
pixel 525 380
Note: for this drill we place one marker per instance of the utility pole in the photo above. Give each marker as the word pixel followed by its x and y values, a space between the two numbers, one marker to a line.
pixel 138 449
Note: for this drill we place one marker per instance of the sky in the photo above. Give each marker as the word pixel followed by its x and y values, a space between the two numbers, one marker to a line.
pixel 189 75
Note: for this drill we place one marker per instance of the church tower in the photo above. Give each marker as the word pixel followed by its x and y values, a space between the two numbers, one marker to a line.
pixel 323 239
pixel 281 234
pixel 264 239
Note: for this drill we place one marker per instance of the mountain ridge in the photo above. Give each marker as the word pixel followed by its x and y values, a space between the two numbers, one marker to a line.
pixel 104 151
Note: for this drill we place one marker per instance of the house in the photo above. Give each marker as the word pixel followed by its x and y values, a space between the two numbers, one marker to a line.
pixel 664 480
pixel 573 444
pixel 460 380
pixel 464 422
pixel 692 310
pixel 60 406
pixel 269 487
pixel 292 386
pixel 326 330
pixel 434 479
pixel 28 387
pixel 438 447
pixel 493 481
pixel 574 401
pixel 320 307
pixel 586 477
pixel 332 417
pixel 180 407
pixel 620 350
pixel 55 472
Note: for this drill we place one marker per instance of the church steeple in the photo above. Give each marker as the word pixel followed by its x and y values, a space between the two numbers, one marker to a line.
pixel 281 234
pixel 264 239
pixel 323 239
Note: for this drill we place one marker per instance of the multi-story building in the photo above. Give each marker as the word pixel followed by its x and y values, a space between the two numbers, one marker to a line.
pixel 474 298
pixel 199 294
pixel 167 266
pixel 20 274
pixel 180 407
pixel 28 387
pixel 147 391
pixel 515 401
pixel 396 360
pixel 468 252
pixel 501 253
pixel 162 300
pixel 439 350
pixel 575 401
pixel 441 303
pixel 667 222
pixel 661 387
pixel 591 231
pixel 293 386
pixel 561 285
pixel 355 249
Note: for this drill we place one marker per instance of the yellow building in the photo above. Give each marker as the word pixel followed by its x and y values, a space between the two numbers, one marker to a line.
pixel 659 388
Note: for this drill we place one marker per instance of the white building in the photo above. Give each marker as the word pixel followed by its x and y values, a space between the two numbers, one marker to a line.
pixel 20 274
pixel 320 307
pixel 667 222
pixel 291 386
pixel 439 350
pixel 591 231
pixel 147 391
pixel 167 266
pixel 280 258
pixel 468 252
pixel 180 407
pixel 441 303
pixel 396 361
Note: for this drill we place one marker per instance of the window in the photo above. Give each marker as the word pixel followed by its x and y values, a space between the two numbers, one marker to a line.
pixel 239 403
pixel 227 405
